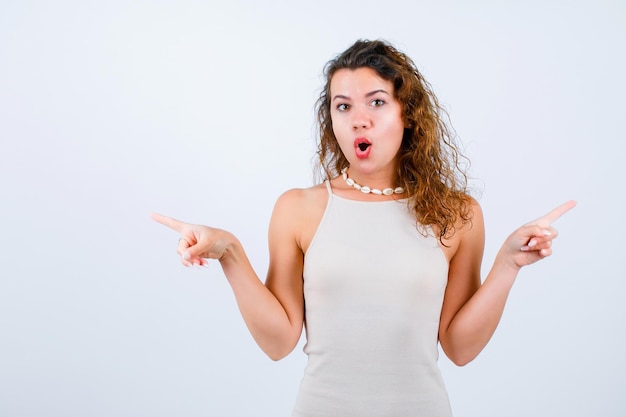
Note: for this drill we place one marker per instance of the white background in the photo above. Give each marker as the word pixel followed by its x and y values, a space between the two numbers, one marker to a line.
pixel 204 111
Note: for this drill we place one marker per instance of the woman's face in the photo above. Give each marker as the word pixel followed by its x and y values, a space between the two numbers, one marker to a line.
pixel 367 120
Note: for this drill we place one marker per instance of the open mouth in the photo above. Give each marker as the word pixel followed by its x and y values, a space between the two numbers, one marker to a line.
pixel 363 146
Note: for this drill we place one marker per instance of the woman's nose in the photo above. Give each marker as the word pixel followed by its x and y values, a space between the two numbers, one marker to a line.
pixel 360 119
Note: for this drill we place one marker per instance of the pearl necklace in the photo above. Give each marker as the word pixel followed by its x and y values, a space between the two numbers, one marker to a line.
pixel 365 189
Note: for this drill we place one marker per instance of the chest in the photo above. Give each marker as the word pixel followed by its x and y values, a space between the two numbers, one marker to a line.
pixel 373 254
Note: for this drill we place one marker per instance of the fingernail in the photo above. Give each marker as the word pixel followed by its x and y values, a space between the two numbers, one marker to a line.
pixel 532 243
pixel 547 233
pixel 186 255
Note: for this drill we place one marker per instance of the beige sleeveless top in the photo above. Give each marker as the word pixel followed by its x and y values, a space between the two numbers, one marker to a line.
pixel 373 288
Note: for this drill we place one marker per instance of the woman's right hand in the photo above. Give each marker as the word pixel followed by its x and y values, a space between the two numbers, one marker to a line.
pixel 197 243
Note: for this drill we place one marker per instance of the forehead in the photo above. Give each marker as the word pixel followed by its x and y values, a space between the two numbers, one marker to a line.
pixel 358 81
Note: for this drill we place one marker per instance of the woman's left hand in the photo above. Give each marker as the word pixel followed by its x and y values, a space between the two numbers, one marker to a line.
pixel 533 241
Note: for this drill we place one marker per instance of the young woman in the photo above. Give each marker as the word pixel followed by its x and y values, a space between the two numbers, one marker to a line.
pixel 381 261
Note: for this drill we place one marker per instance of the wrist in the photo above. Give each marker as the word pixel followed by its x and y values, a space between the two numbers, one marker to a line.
pixel 232 249
pixel 506 262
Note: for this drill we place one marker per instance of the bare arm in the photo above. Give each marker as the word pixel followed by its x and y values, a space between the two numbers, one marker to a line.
pixel 274 314
pixel 471 312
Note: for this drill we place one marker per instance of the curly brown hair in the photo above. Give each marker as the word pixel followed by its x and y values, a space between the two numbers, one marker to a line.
pixel 429 161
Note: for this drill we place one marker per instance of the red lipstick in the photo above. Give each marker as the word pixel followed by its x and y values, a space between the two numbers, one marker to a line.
pixel 362 147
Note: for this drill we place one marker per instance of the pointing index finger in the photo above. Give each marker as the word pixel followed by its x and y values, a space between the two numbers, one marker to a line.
pixel 170 222
pixel 553 215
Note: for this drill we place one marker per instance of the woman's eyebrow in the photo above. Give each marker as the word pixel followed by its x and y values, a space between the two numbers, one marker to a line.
pixel 340 96
pixel 380 90
pixel 371 93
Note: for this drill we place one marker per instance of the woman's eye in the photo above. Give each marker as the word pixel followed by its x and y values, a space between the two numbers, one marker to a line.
pixel 377 102
pixel 342 107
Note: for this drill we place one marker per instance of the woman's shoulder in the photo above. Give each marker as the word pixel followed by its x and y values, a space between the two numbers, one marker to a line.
pixel 301 204
pixel 468 229
pixel 473 207
pixel 300 198
pixel 299 211
pixel 469 219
